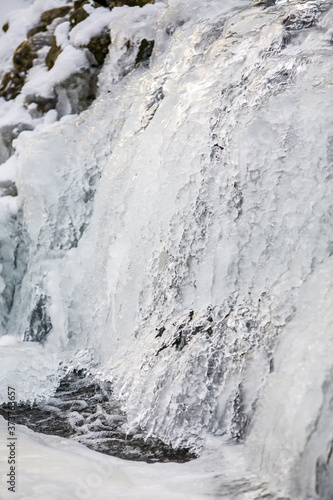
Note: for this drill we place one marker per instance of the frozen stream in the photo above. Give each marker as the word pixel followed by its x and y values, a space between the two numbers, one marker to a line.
pixel 175 240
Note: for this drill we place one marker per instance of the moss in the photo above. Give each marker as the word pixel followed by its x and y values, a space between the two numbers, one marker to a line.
pixel 130 3
pixel 11 85
pixel 79 3
pixel 5 27
pixel 49 15
pixel 78 16
pixel 98 46
pixel 38 29
pixel 24 56
pixel 53 53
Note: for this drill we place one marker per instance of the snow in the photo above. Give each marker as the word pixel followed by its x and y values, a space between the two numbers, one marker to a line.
pixel 96 23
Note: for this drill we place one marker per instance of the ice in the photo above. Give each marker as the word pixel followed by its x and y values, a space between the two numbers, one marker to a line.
pixel 175 240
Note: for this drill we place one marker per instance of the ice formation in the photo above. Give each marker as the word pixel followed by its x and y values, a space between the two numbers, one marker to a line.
pixel 171 235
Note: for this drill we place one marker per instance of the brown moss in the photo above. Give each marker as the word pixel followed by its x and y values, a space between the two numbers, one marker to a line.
pixel 130 3
pixel 78 16
pixel 53 53
pixel 24 56
pixel 38 29
pixel 79 3
pixel 50 15
pixel 98 46
pixel 11 85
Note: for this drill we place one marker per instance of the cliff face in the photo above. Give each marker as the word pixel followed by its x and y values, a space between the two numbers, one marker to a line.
pixel 172 230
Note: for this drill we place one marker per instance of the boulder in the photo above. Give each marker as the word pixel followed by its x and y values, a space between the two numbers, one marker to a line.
pixel 53 53
pixel 11 85
pixel 50 15
pixel 99 46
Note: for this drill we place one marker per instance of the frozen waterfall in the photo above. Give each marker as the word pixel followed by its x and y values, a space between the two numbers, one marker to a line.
pixel 171 236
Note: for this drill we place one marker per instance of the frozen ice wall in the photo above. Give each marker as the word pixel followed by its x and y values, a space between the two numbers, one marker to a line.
pixel 178 234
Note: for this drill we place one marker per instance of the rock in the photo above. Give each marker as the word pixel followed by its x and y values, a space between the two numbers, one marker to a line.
pixel 267 3
pixel 53 53
pixel 40 322
pixel 145 51
pixel 79 3
pixel 49 15
pixel 26 52
pixel 98 46
pixel 76 93
pixel 120 3
pixel 5 27
pixel 140 3
pixel 38 29
pixel 8 188
pixel 24 56
pixel 11 85
pixel 78 16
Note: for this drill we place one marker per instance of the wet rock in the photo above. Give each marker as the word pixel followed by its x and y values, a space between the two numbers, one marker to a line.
pixel 267 3
pixel 145 51
pixel 99 46
pixel 11 85
pixel 50 15
pixel 40 322
pixel 53 53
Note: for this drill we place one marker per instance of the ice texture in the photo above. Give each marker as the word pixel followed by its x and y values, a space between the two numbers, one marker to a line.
pixel 176 239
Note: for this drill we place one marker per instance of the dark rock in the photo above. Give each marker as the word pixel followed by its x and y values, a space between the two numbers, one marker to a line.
pixel 24 56
pixel 50 15
pixel 160 332
pixel 240 420
pixel 40 322
pixel 26 52
pixel 11 85
pixel 76 93
pixel 130 3
pixel 145 51
pixel 99 46
pixel 5 27
pixel 38 29
pixel 79 3
pixel 78 16
pixel 84 408
pixel 44 104
pixel 53 53
pixel 8 188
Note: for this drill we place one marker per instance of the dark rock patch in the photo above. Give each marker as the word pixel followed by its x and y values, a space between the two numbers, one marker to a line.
pixel 40 322
pixel 50 15
pixel 99 46
pixel 84 409
pixel 145 51
pixel 11 85
pixel 53 53
pixel 77 16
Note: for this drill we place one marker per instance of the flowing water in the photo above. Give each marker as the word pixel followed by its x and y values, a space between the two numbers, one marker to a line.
pixel 173 242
